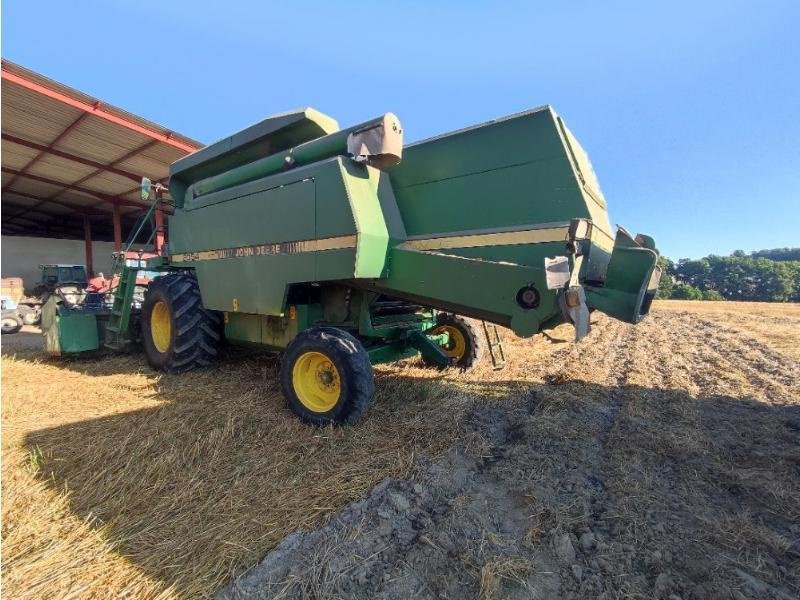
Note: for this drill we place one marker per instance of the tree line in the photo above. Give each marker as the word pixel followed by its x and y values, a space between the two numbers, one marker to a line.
pixel 760 276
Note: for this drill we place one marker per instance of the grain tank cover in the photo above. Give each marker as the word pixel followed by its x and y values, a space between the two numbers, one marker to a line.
pixel 274 134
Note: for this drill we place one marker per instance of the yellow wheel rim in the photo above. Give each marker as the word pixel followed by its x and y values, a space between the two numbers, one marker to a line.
pixel 316 381
pixel 161 326
pixel 457 343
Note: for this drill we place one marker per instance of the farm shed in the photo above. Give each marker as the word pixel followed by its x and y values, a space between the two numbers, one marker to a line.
pixel 71 166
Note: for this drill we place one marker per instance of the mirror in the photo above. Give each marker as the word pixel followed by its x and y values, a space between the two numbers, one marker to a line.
pixel 147 186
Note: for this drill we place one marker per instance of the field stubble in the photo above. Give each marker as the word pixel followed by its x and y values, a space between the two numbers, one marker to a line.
pixel 645 461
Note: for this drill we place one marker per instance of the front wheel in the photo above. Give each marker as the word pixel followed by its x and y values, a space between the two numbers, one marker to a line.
pixel 326 376
pixel 464 345
pixel 11 324
pixel 177 332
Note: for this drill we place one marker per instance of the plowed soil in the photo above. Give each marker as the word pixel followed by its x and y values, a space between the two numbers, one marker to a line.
pixel 658 460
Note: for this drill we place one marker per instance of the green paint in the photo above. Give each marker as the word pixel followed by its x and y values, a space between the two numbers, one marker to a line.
pixel 505 176
pixel 386 353
pixel 77 332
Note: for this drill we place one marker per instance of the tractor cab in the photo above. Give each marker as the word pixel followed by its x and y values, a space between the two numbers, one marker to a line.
pixel 53 275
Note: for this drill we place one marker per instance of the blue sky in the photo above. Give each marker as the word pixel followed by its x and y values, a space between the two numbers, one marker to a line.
pixel 690 111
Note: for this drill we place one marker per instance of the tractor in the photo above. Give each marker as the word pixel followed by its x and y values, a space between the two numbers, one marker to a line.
pixel 67 281
pixel 341 249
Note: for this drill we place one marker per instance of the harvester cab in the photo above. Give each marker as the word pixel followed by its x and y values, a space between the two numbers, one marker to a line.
pixel 341 248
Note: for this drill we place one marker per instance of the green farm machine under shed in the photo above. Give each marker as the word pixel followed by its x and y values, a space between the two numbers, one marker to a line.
pixel 323 244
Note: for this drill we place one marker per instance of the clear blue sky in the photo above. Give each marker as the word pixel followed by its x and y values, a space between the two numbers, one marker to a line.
pixel 690 111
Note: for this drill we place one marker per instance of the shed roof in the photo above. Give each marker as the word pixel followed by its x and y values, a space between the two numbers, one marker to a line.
pixel 66 154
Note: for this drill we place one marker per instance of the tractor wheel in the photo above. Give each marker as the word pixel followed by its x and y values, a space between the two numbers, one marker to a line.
pixel 11 324
pixel 326 376
pixel 178 333
pixel 465 346
pixel 31 315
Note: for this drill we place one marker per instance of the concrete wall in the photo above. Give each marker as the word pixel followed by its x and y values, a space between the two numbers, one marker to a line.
pixel 21 256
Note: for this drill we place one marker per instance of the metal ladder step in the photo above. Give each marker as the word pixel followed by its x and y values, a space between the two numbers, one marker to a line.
pixel 121 308
pixel 496 351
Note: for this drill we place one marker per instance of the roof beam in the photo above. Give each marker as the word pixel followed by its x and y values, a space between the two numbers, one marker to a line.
pixel 44 149
pixel 95 110
pixel 67 156
pixel 110 166
pixel 41 201
pixel 68 186
pixel 35 208
pixel 71 222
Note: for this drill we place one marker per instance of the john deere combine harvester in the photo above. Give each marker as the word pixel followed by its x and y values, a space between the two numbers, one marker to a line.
pixel 321 243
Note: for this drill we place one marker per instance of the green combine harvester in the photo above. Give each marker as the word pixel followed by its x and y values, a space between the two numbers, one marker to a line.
pixel 321 243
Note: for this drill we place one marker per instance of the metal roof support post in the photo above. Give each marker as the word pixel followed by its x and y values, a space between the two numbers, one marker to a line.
pixel 87 236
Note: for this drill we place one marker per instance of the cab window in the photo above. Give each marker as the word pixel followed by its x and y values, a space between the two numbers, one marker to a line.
pixel 50 275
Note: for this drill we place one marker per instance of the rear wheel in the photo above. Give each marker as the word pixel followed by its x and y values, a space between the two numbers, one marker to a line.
pixel 326 376
pixel 177 332
pixel 464 345
pixel 11 324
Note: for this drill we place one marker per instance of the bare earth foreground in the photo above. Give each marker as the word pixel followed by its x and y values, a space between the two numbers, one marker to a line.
pixel 661 460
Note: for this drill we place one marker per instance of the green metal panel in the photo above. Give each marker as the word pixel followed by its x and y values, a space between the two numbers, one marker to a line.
pixel 274 134
pixel 77 332
pixel 272 331
pixel 631 277
pixel 252 218
pixel 467 286
pixel 589 187
pixel 463 223
pixel 322 222
pixel 513 171
pixel 386 353
pixel 243 327
pixel 373 236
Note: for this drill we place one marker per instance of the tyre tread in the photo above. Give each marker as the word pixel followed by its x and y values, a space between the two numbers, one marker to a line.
pixel 196 328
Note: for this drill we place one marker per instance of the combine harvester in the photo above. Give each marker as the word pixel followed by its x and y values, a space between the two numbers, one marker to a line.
pixel 321 244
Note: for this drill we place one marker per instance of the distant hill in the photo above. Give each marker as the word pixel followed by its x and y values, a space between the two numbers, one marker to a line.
pixel 760 276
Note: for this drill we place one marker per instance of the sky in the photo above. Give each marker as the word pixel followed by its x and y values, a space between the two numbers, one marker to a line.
pixel 690 111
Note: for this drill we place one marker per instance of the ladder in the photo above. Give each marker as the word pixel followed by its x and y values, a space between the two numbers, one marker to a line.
pixel 117 327
pixel 495 345
pixel 119 321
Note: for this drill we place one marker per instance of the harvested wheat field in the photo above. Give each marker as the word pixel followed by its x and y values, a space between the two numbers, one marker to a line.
pixel 661 460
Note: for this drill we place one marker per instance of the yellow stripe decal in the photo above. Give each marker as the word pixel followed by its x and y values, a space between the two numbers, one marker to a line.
pixel 333 243
pixel 500 238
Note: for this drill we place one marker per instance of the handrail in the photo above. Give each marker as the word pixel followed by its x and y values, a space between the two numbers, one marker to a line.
pixel 120 257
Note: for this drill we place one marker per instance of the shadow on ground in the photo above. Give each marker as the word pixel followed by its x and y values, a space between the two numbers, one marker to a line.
pixel 677 491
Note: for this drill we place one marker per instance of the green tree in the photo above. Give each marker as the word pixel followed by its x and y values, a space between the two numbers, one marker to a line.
pixel 666 282
pixel 684 291
pixel 779 254
pixel 712 295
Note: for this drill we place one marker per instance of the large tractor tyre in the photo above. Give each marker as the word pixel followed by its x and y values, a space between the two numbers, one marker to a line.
pixel 11 324
pixel 177 332
pixel 31 316
pixel 465 345
pixel 326 376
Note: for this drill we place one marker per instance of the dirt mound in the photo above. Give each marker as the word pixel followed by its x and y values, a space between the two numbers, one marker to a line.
pixel 454 528
pixel 503 518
